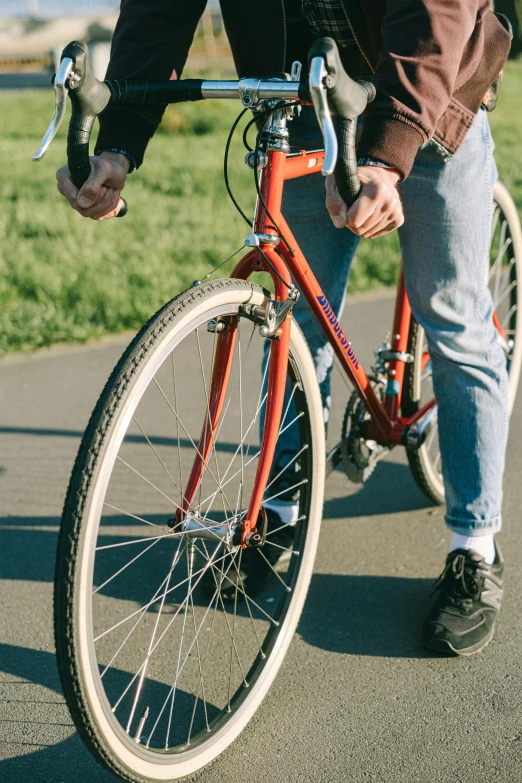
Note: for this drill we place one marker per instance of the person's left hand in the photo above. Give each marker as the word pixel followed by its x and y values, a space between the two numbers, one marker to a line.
pixel 377 211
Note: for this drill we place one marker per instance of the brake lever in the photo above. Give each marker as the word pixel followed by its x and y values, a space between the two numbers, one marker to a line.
pixel 318 74
pixel 60 92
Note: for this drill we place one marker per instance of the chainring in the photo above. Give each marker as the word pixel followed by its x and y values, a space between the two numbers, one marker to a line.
pixel 360 455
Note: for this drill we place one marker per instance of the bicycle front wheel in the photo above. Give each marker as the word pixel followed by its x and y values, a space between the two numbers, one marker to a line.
pixel 161 675
pixel 504 274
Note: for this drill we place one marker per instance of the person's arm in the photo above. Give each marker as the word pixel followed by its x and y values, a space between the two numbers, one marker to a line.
pixel 151 41
pixel 424 43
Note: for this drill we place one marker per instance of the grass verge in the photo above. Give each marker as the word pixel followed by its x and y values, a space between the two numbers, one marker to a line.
pixel 66 279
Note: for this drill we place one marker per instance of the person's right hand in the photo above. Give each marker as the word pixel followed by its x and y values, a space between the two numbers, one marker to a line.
pixel 99 197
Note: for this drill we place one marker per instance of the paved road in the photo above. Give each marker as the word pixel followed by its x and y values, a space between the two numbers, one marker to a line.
pixel 357 698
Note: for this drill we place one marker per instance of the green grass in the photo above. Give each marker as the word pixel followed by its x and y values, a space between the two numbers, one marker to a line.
pixel 63 278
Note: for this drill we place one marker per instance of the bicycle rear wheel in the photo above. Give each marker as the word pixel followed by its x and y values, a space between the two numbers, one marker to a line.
pixel 160 677
pixel 504 276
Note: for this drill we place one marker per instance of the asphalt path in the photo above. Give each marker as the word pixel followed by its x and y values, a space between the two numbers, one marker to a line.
pixel 357 699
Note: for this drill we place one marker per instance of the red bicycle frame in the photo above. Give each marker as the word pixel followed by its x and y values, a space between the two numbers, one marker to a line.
pixel 285 262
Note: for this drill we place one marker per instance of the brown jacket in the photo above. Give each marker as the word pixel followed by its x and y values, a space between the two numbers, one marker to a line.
pixel 433 62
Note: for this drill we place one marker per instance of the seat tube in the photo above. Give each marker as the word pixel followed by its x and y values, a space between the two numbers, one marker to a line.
pixel 399 345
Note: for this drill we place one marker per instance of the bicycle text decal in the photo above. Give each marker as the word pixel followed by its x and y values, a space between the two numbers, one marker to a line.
pixel 338 331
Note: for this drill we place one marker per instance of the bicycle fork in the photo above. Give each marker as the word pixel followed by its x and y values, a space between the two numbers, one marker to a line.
pixel 278 363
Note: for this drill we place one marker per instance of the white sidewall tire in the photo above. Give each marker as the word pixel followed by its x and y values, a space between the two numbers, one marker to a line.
pixel 506 203
pixel 134 766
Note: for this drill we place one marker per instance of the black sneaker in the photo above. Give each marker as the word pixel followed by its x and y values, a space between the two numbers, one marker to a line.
pixel 462 620
pixel 257 565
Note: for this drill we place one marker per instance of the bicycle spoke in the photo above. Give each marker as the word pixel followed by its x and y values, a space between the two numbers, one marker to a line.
pixel 231 478
pixel 201 680
pixel 142 615
pixel 296 456
pixel 232 644
pixel 144 670
pixel 267 561
pixel 169 534
pixel 157 455
pixel 225 614
pixel 148 482
pixel 287 489
pixel 284 548
pixel 256 455
pixel 128 514
pixel 185 431
pixel 181 668
pixel 174 386
pixel 123 568
pixel 285 524
pixel 114 708
pixel 189 558
pixel 146 606
pixel 215 602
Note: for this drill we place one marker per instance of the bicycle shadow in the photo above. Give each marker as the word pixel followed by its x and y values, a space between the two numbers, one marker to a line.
pixel 379 616
pixel 391 489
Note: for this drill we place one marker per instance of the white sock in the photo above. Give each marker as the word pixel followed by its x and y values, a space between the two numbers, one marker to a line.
pixel 482 545
pixel 288 510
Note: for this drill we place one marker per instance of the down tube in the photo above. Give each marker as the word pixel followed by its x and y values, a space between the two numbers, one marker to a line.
pixel 307 283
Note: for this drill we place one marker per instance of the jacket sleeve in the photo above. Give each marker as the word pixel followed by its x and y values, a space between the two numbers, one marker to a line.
pixel 423 46
pixel 151 41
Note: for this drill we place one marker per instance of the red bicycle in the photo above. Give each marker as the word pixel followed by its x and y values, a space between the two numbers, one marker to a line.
pixel 176 464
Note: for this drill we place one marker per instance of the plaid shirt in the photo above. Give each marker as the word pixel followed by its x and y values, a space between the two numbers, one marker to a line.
pixel 328 18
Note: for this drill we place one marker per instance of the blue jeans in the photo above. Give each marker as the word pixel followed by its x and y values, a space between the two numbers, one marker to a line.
pixel 445 245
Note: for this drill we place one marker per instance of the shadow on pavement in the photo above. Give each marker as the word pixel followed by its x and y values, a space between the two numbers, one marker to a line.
pixel 157 440
pixel 38 667
pixel 390 490
pixel 68 760
pixel 380 616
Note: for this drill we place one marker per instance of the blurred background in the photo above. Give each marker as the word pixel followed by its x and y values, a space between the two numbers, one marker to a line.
pixel 63 278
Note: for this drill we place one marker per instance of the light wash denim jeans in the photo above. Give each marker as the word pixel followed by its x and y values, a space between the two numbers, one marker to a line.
pixel 445 245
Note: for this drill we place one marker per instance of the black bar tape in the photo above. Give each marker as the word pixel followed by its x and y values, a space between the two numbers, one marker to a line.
pixel 347 100
pixel 88 98
pixel 80 127
pixel 123 91
pixel 346 175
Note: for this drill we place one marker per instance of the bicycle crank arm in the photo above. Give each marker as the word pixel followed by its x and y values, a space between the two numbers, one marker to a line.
pixel 415 435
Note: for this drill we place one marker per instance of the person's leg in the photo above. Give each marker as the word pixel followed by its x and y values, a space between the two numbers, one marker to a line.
pixel 445 244
pixel 329 251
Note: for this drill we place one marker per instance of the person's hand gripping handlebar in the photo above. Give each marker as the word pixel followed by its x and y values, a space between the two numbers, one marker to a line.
pixel 362 198
pixel 91 185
